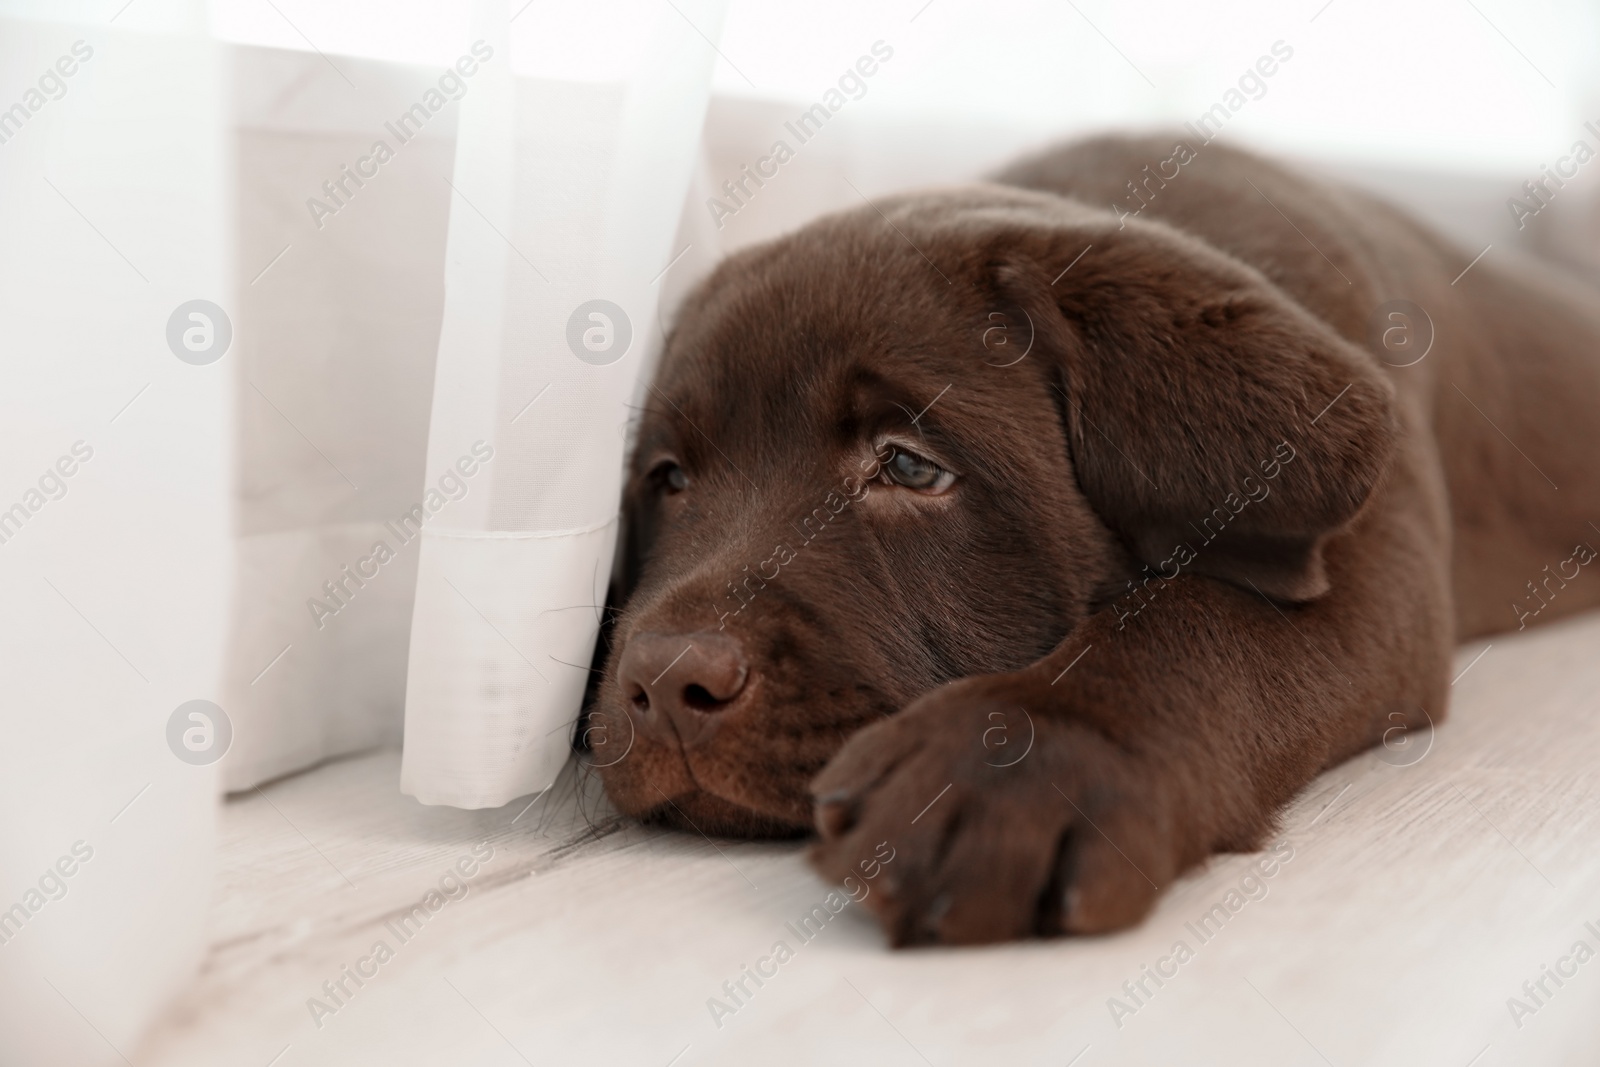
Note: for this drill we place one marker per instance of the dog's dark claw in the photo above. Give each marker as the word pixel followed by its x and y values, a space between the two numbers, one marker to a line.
pixel 835 813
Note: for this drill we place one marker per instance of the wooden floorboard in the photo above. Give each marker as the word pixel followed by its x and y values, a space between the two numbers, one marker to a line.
pixel 1418 900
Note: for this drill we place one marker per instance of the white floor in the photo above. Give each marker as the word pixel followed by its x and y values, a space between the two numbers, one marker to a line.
pixel 1417 901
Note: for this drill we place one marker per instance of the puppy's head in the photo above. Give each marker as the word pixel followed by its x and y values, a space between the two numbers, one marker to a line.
pixel 925 440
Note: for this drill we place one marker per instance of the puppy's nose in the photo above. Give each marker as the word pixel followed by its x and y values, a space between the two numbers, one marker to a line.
pixel 677 685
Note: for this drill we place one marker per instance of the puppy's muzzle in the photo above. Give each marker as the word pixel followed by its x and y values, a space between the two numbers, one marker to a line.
pixel 679 688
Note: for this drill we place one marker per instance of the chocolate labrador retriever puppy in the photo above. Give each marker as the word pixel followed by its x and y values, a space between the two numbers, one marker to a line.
pixel 1054 532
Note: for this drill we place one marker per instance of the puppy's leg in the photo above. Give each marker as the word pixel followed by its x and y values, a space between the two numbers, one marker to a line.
pixel 1066 796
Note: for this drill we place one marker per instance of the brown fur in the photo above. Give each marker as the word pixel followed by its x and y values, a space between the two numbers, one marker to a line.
pixel 1203 377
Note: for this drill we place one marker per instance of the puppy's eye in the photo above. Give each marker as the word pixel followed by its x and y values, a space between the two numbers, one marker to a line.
pixel 669 477
pixel 916 472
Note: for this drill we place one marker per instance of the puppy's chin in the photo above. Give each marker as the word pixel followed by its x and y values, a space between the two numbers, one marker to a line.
pixel 709 814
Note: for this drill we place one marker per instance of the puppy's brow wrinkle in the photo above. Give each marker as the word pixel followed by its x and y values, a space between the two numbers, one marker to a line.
pixel 709 441
pixel 918 416
pixel 909 417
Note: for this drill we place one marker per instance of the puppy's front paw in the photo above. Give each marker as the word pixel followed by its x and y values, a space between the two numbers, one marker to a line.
pixel 1005 820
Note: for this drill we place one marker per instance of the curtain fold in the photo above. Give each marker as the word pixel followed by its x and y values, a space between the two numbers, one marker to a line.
pixel 571 169
pixel 339 294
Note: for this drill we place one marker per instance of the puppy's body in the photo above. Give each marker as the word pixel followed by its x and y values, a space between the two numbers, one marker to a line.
pixel 1069 545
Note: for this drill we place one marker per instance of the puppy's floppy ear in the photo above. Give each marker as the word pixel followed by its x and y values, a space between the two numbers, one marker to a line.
pixel 1204 407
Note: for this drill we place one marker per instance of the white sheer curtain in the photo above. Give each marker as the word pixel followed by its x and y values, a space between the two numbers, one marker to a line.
pixel 115 540
pixel 231 501
pixel 537 160
pixel 574 157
